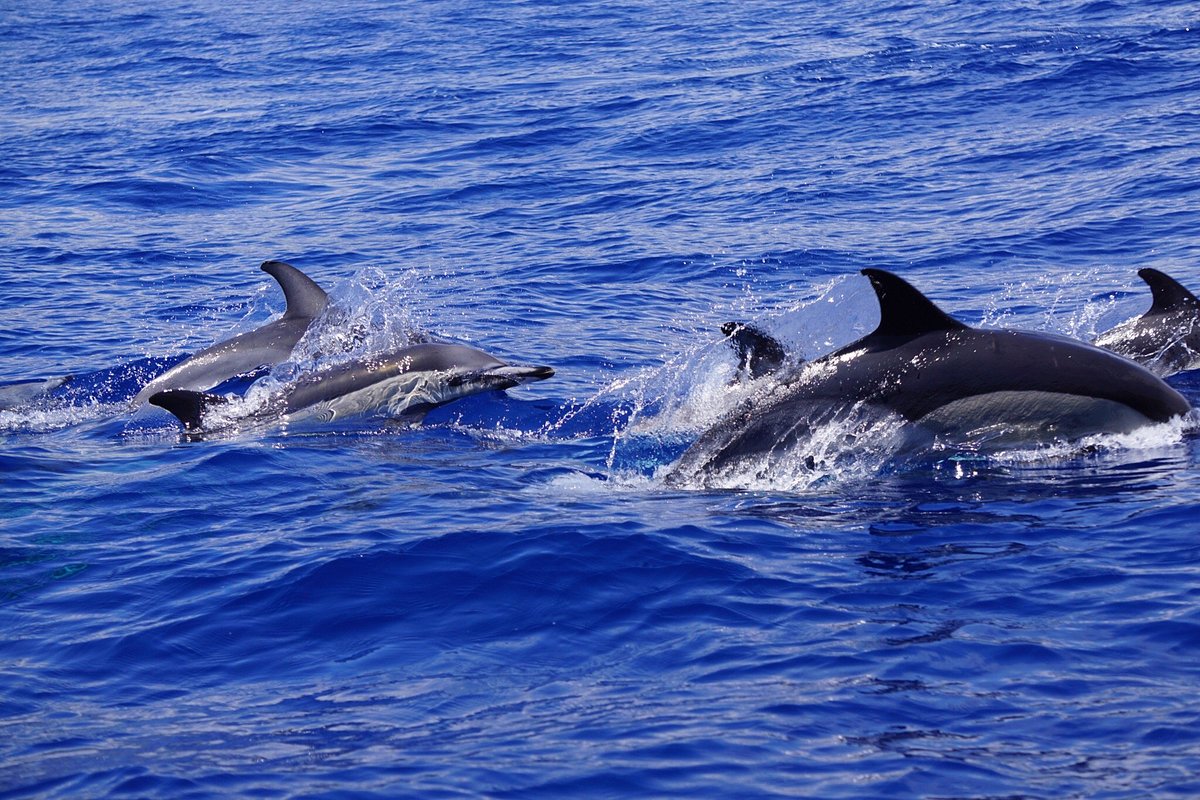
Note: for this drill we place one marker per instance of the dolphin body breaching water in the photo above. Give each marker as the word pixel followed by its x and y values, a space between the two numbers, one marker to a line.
pixel 265 346
pixel 1166 339
pixel 939 378
pixel 403 384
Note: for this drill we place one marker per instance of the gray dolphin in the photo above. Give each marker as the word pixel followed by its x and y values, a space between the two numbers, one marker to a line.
pixel 943 378
pixel 17 394
pixel 264 346
pixel 1166 339
pixel 403 384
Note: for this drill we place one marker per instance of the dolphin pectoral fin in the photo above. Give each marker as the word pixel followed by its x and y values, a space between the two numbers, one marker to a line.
pixel 305 299
pixel 904 311
pixel 758 352
pixel 1167 293
pixel 187 406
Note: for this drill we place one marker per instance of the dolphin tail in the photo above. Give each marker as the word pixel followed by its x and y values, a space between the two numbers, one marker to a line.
pixel 305 300
pixel 1167 293
pixel 758 352
pixel 186 405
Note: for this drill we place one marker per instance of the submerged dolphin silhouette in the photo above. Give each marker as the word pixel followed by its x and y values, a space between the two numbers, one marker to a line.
pixel 264 346
pixel 1166 339
pixel 405 383
pixel 944 378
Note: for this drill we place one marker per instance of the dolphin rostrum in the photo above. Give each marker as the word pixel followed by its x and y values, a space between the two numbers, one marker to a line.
pixel 943 379
pixel 403 384
pixel 264 346
pixel 1166 339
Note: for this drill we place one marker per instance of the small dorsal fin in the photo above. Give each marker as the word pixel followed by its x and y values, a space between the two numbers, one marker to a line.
pixel 186 405
pixel 305 300
pixel 1167 292
pixel 903 311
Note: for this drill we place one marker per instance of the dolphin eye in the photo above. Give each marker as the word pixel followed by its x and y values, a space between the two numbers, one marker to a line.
pixel 327 415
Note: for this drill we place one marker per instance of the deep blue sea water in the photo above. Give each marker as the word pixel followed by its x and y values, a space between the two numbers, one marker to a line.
pixel 508 601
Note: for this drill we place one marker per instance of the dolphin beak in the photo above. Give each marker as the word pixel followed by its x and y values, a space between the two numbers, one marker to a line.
pixel 504 377
pixel 522 374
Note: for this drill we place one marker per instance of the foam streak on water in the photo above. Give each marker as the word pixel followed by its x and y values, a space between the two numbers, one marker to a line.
pixel 510 600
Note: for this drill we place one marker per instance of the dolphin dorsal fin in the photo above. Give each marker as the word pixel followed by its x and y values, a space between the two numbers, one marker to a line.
pixel 305 300
pixel 1167 292
pixel 903 311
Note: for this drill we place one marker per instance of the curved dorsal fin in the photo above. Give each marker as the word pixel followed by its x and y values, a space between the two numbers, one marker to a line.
pixel 1167 292
pixel 305 299
pixel 903 311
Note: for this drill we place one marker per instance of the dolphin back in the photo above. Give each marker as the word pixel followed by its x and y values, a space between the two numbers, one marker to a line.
pixel 265 346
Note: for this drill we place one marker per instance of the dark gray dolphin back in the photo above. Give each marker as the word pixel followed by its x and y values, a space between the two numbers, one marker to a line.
pixel 305 300
pixel 977 361
pixel 1169 295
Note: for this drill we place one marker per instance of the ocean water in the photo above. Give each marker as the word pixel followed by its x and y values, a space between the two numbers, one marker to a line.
pixel 508 600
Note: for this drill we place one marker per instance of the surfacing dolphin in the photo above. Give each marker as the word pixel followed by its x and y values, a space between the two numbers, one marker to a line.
pixel 262 347
pixel 18 394
pixel 403 384
pixel 1166 339
pixel 758 352
pixel 942 379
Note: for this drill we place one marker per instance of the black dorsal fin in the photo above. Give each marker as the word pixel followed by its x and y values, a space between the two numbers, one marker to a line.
pixel 903 311
pixel 186 405
pixel 1167 292
pixel 305 300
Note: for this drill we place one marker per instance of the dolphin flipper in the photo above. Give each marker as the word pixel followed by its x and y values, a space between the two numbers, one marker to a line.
pixel 186 405
pixel 758 352
pixel 305 300
pixel 1168 294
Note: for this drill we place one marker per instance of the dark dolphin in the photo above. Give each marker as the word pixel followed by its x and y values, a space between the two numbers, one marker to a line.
pixel 942 378
pixel 405 383
pixel 262 347
pixel 1166 339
